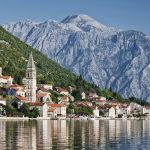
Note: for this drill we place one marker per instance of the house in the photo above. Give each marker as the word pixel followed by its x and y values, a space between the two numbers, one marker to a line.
pixel 146 110
pixel 95 111
pixel 63 99
pixel 3 102
pixel 62 91
pixel 119 111
pixel 61 109
pixel 52 112
pixel 83 95
pixel 46 86
pixel 43 108
pixel 134 108
pixel 43 97
pixel 91 95
pixel 15 90
pixel 84 103
pixel 6 81
pixel 100 102
pixel 112 112
pixel 19 100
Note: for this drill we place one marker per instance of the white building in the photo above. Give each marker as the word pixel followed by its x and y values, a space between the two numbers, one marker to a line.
pixel 43 97
pixel 62 91
pixel 112 112
pixel 134 108
pixel 15 90
pixel 146 110
pixel 52 112
pixel 83 95
pixel 3 102
pixel 92 95
pixel 6 81
pixel 61 109
pixel 96 112
pixel 47 86
pixel 43 108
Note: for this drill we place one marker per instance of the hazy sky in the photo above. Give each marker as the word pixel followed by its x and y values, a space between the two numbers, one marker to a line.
pixel 124 14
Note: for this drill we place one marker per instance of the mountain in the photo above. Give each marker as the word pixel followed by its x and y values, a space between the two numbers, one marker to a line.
pixel 14 55
pixel 109 57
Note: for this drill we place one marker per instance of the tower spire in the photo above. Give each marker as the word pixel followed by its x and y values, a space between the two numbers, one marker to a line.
pixel 31 63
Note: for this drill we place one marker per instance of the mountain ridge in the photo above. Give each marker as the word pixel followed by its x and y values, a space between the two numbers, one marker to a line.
pixel 109 57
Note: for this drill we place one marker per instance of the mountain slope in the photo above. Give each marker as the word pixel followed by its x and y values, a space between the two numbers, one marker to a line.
pixel 109 57
pixel 14 55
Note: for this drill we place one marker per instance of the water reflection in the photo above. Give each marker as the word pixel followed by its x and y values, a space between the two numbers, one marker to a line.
pixel 62 134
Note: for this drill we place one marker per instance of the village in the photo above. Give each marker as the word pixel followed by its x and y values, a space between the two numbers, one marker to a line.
pixel 39 96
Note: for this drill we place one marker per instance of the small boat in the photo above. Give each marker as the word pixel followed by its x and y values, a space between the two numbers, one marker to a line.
pixel 61 118
pixel 83 118
pixel 124 117
pixel 91 118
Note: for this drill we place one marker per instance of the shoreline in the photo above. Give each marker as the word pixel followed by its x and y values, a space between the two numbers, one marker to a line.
pixel 40 118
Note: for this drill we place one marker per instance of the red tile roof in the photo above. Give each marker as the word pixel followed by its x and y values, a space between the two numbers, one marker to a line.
pixel 16 85
pixel 21 98
pixel 41 95
pixel 51 109
pixel 35 104
pixel 56 105
pixel 59 89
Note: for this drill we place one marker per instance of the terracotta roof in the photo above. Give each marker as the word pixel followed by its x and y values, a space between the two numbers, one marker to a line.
pixel 42 89
pixel 51 109
pixel 21 98
pixel 35 104
pixel 59 89
pixel 56 105
pixel 147 107
pixel 5 77
pixel 41 95
pixel 16 85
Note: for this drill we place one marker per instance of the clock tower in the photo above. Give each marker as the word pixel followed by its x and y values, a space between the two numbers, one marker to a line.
pixel 31 80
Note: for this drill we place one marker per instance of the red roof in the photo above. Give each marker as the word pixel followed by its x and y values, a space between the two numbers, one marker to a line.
pixel 51 109
pixel 41 95
pixel 21 98
pixel 16 85
pixel 59 89
pixel 147 107
pixel 56 105
pixel 35 104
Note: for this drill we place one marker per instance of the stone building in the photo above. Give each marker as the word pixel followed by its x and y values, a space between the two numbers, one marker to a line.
pixel 31 80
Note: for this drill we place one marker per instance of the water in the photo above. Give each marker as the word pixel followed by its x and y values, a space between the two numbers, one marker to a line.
pixel 63 135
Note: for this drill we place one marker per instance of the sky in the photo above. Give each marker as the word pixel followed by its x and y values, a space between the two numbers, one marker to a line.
pixel 123 14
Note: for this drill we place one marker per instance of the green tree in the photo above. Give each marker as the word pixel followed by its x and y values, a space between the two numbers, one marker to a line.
pixel 34 112
pixel 25 109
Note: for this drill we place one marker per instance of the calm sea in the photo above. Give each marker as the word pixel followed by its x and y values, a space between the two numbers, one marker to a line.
pixel 64 135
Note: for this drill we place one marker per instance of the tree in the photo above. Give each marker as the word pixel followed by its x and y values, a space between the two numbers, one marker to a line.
pixel 83 110
pixel 34 113
pixel 25 109
pixel 76 94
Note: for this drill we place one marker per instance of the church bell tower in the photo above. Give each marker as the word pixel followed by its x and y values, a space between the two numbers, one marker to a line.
pixel 31 80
